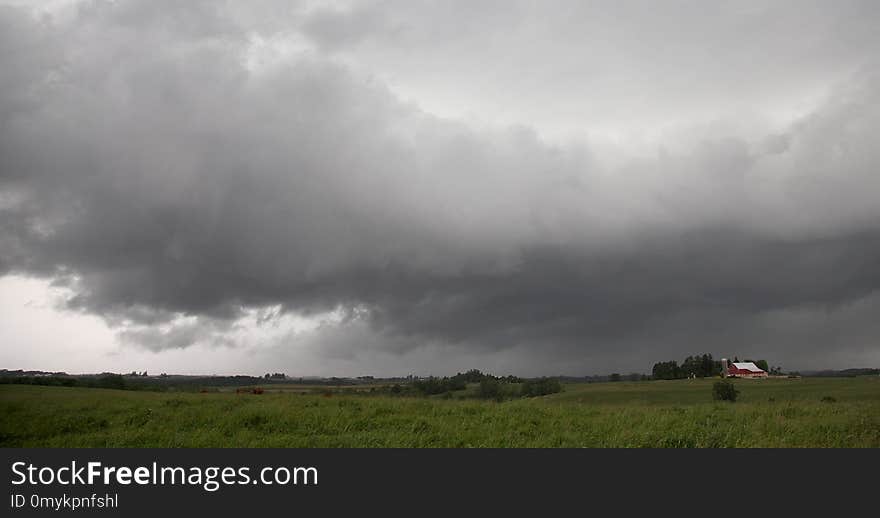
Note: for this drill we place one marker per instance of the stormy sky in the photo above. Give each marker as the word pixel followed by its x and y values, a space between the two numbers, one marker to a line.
pixel 403 186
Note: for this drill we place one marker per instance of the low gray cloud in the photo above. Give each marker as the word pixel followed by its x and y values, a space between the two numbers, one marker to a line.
pixel 147 164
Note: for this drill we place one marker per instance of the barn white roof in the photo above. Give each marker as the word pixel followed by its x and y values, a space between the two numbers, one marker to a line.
pixel 747 366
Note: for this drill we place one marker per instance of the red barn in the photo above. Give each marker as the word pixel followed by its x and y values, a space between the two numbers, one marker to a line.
pixel 745 370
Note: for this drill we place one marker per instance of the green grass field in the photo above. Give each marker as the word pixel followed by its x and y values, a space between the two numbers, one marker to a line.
pixel 769 413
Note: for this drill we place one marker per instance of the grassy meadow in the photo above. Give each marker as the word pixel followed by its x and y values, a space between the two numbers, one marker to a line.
pixel 806 412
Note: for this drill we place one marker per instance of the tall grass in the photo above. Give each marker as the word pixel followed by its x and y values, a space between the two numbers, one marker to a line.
pixel 769 413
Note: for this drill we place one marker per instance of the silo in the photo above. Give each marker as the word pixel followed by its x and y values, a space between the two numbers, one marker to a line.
pixel 723 367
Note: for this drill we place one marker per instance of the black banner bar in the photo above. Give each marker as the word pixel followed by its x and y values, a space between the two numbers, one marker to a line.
pixel 406 482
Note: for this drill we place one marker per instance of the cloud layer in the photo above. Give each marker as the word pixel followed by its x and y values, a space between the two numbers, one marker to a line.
pixel 188 165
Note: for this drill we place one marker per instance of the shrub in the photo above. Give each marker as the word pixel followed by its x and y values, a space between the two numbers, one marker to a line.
pixel 491 389
pixel 540 387
pixel 829 399
pixel 724 391
pixel 433 385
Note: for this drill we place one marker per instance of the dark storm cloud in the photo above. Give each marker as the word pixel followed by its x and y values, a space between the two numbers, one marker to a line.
pixel 559 295
pixel 143 163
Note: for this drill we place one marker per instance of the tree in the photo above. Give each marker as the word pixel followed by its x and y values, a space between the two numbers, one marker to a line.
pixel 698 365
pixel 614 377
pixel 666 371
pixel 472 376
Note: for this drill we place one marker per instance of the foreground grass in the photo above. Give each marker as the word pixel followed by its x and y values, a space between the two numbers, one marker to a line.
pixel 770 413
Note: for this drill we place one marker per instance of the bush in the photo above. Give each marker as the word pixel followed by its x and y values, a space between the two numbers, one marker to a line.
pixel 540 387
pixel 491 389
pixel 724 391
pixel 432 385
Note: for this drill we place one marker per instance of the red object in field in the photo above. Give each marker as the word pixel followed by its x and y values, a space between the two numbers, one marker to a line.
pixel 746 370
pixel 257 390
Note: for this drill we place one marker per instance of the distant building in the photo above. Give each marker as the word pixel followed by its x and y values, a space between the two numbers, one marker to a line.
pixel 741 370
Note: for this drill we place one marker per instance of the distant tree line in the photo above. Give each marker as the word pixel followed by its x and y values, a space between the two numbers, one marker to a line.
pixel 437 385
pixel 488 386
pixel 845 373
pixel 700 366
pixel 633 376
pixel 111 380
pixel 107 381
pixel 497 388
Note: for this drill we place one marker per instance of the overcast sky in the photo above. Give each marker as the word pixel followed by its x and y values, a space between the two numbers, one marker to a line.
pixel 402 186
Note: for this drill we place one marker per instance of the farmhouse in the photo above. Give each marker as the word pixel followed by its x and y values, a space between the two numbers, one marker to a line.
pixel 741 370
